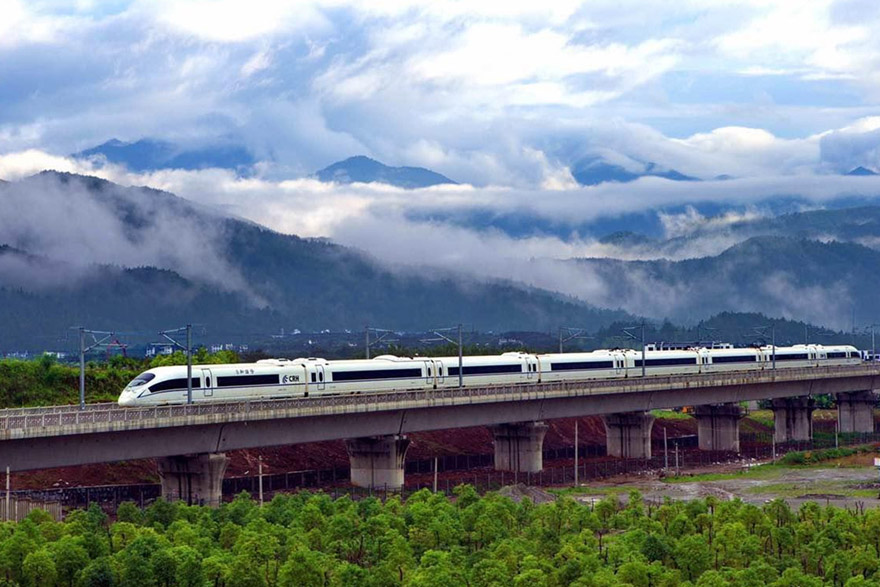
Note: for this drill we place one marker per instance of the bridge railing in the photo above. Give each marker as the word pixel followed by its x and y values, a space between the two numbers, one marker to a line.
pixel 71 415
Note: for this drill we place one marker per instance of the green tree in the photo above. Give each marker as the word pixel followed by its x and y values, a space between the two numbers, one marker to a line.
pixel 243 573
pixel 129 512
pixel 305 568
pixel 693 556
pixel 436 569
pixel 99 573
pixel 70 558
pixel 38 569
pixel 13 551
pixel 188 567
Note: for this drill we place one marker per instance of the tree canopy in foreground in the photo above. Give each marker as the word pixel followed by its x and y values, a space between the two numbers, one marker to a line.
pixel 312 540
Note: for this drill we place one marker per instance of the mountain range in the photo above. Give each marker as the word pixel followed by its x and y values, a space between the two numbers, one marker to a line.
pixel 152 154
pixel 160 261
pixel 594 170
pixel 365 170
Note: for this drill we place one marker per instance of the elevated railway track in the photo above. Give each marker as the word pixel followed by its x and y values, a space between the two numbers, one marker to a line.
pixel 375 424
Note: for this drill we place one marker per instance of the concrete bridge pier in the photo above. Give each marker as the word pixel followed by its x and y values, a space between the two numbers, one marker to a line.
pixel 196 479
pixel 377 461
pixel 718 426
pixel 628 435
pixel 855 411
pixel 793 418
pixel 519 446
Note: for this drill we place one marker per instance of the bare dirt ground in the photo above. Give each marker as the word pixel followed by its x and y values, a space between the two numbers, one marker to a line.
pixel 851 482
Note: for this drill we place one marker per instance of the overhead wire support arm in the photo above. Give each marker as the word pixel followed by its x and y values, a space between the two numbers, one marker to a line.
pixel 572 333
pixel 442 337
pixel 188 349
pixel 762 331
pixel 873 347
pixel 382 337
pixel 83 349
pixel 627 332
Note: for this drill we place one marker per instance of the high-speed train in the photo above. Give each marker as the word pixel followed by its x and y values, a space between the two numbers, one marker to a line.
pixel 286 378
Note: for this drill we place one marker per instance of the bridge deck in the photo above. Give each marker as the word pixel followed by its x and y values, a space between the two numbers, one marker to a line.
pixel 20 423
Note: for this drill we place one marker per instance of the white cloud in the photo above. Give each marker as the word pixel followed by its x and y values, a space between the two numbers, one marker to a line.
pixel 233 21
pixel 803 34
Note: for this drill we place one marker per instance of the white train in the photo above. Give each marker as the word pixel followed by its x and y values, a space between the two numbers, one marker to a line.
pixel 284 378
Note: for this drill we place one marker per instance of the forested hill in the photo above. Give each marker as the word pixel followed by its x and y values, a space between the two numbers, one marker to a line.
pixel 83 251
pixel 430 540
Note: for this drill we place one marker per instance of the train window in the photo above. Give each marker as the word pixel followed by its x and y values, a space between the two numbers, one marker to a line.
pixel 141 379
pixel 173 384
pixel 487 369
pixel 313 378
pixel 581 365
pixel 244 380
pixel 376 374
pixel 320 377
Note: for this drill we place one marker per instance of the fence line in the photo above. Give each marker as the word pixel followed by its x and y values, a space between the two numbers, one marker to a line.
pixel 20 508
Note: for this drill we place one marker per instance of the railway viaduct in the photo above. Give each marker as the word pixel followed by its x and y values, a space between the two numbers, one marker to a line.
pixel 189 441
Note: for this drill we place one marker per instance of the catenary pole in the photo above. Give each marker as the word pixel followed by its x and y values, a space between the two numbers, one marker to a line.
pixel 460 359
pixel 773 339
pixel 83 349
pixel 189 365
pixel 643 348
pixel 82 368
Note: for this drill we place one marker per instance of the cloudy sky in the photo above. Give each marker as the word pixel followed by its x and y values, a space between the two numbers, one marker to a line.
pixel 490 93
pixel 506 98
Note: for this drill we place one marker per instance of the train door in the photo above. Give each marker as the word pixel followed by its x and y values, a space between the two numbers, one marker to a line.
pixel 531 369
pixel 705 360
pixel 430 374
pixel 319 369
pixel 619 364
pixel 441 375
pixel 208 379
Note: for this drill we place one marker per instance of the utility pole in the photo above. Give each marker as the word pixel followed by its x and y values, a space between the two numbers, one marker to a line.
pixel 627 332
pixel 665 452
pixel 83 349
pixel 576 459
pixel 260 473
pixel 186 348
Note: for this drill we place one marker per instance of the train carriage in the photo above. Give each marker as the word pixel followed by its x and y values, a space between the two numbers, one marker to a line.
pixel 596 365
pixel 310 377
pixel 505 369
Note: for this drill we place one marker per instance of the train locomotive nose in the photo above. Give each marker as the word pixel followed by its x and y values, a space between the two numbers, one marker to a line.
pixel 126 399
